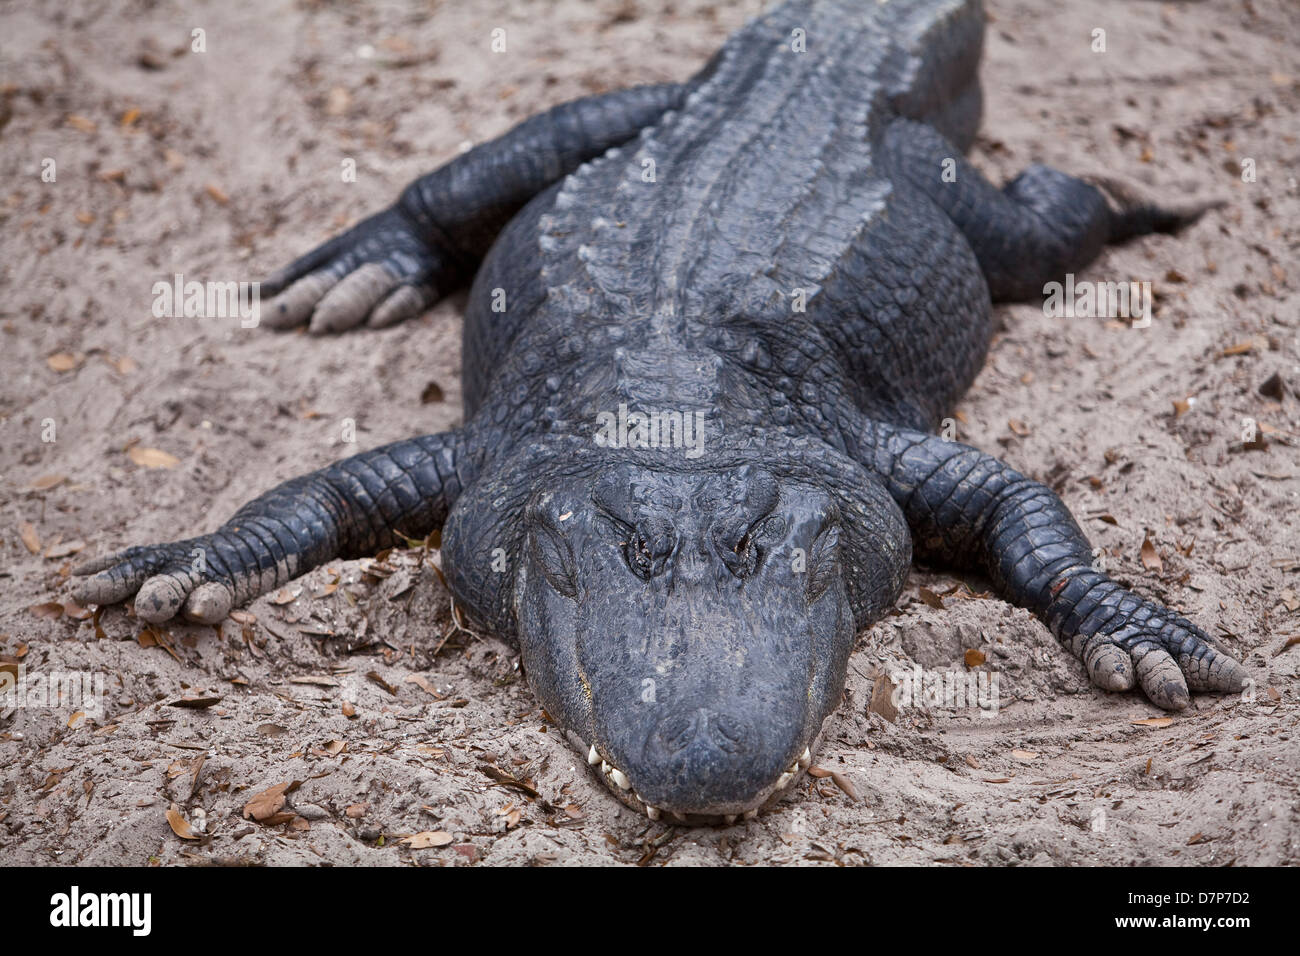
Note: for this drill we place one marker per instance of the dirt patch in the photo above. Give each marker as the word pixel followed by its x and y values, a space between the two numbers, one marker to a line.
pixel 354 688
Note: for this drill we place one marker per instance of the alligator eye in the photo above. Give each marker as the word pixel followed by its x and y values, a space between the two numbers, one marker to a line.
pixel 648 548
pixel 747 555
pixel 553 555
pixel 639 558
pixel 744 558
pixel 823 562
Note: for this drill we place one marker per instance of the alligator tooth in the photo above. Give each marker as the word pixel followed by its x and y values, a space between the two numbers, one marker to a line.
pixel 794 768
pixel 679 817
pixel 620 778
pixel 750 814
pixel 652 812
pixel 783 780
pixel 806 759
pixel 730 818
pixel 604 767
pixel 593 757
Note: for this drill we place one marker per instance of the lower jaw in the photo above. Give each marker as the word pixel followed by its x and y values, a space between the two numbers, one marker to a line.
pixel 614 781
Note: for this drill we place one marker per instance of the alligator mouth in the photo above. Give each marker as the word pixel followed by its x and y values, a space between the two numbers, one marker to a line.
pixel 620 785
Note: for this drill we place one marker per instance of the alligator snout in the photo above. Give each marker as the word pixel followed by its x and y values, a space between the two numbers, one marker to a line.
pixel 701 767
pixel 690 631
pixel 717 758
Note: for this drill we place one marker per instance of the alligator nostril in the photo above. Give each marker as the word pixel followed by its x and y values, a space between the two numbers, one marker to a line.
pixel 727 734
pixel 706 730
pixel 677 732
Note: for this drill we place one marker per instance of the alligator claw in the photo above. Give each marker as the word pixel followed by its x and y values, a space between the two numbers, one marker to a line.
pixel 163 579
pixel 379 272
pixel 1165 655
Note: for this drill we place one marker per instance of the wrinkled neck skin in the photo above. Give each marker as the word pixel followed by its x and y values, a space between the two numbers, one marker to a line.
pixel 685 615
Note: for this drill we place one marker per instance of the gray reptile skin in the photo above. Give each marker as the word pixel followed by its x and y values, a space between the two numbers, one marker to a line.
pixel 771 253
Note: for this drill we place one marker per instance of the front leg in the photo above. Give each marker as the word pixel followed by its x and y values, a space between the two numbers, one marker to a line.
pixel 351 508
pixel 398 262
pixel 968 509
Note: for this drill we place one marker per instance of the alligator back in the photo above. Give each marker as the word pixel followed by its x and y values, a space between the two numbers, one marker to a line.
pixel 752 193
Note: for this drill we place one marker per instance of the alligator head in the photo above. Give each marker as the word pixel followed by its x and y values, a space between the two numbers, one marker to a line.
pixel 689 626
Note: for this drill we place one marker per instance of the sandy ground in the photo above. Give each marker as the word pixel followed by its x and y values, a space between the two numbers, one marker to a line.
pixel 358 693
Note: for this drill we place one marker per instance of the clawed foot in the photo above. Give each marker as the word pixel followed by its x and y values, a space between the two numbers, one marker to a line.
pixel 379 272
pixel 1160 651
pixel 166 579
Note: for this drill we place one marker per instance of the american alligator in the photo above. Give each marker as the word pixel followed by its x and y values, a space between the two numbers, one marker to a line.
pixel 711 331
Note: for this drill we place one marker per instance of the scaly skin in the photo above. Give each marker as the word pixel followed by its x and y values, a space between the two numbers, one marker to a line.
pixel 771 253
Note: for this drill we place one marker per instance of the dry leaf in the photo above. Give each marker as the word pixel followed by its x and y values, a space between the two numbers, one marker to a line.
pixel 422 682
pixel 65 549
pixel 31 540
pixel 930 598
pixel 50 610
pixel 1241 348
pixel 266 804
pixel 348 709
pixel 218 194
pixel 845 784
pixel 62 361
pixel 1024 755
pixel 428 838
pixel 882 699
pixel 337 101
pixel 1150 556
pixel 357 811
pixel 974 658
pixel 76 612
pixel 46 482
pixel 1154 721
pixel 152 458
pixel 377 678
pixel 74 718
pixel 180 826
pixel 76 121
pixel 194 702
pixel 318 681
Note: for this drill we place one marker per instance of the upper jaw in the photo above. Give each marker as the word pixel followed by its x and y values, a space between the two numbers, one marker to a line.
pixel 624 789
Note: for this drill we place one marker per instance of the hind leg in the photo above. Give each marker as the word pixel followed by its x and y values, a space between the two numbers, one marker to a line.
pixel 1035 229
